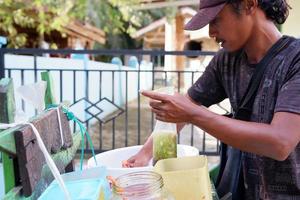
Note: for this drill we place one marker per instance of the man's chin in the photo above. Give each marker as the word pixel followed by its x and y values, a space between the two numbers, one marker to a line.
pixel 231 50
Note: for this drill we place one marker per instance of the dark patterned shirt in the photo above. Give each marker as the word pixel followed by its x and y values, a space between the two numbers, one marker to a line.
pixel 227 76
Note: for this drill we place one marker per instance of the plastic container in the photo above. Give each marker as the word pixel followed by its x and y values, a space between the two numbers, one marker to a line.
pixel 140 186
pixel 113 159
pixel 186 177
pixel 90 184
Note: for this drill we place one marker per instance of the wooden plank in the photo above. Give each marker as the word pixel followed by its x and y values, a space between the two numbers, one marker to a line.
pixel 61 160
pixel 7 114
pixel 50 100
pixel 30 157
pixel 49 96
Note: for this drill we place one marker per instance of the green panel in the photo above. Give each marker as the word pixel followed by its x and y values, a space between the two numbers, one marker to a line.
pixel 9 175
pixel 7 141
pixel 49 96
pixel 213 173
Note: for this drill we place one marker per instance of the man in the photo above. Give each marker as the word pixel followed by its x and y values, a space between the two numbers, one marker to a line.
pixel 270 138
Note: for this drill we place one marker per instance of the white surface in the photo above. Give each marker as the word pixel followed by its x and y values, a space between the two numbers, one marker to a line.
pixel 1 182
pixel 113 159
pixel 94 86
pixel 85 174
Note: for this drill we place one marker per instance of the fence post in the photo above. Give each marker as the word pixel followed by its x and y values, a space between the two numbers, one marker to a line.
pixel 2 74
pixel 3 44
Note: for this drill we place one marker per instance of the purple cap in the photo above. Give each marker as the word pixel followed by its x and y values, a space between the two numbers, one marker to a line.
pixel 208 10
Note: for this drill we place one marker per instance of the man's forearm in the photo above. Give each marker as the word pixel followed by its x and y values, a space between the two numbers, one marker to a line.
pixel 262 139
pixel 147 148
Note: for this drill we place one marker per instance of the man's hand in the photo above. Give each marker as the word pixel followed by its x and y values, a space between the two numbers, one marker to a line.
pixel 175 108
pixel 140 159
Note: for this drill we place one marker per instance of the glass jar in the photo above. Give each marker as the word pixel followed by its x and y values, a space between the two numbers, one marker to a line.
pixel 144 185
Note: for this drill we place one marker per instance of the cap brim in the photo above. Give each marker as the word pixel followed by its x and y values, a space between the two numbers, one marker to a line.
pixel 203 17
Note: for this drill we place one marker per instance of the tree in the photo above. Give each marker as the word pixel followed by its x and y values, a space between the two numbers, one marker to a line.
pixel 115 17
pixel 42 16
pixel 119 19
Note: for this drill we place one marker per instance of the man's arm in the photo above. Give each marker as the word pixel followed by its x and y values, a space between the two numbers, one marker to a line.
pixel 276 140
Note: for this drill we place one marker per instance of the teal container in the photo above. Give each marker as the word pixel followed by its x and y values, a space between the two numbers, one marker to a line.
pixel 88 184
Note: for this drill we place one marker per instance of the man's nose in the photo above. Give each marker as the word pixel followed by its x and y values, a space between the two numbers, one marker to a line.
pixel 212 31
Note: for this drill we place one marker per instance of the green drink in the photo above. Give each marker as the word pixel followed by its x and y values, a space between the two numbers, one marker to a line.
pixel 164 145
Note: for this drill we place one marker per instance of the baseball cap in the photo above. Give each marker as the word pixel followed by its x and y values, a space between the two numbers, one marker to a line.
pixel 208 10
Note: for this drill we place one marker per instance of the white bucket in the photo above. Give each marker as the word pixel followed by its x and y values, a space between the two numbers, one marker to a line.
pixel 113 159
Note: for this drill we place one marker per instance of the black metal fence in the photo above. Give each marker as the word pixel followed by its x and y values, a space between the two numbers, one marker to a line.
pixel 106 96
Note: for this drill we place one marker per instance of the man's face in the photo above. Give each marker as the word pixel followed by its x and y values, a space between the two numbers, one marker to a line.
pixel 231 29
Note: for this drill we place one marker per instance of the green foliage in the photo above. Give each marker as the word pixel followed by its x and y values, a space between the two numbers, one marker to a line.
pixel 116 18
pixel 119 19
pixel 42 16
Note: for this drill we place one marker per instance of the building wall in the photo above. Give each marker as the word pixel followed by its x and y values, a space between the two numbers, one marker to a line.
pixel 291 26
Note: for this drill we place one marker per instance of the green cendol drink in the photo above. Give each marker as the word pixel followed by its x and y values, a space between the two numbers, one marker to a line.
pixel 164 145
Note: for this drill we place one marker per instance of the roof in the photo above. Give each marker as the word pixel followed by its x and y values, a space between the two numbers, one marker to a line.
pixel 153 35
pixel 158 25
pixel 186 12
pixel 151 27
pixel 153 4
pixel 85 31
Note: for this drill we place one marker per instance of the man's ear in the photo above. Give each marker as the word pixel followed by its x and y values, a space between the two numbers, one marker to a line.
pixel 250 6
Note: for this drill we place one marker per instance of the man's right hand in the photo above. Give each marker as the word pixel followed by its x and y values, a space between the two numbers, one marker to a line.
pixel 140 159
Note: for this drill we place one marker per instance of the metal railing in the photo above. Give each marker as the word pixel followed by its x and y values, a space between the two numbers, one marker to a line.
pixel 108 99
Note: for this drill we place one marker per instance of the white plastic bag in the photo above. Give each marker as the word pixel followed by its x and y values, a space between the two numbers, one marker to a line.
pixel 164 135
pixel 34 94
pixel 164 141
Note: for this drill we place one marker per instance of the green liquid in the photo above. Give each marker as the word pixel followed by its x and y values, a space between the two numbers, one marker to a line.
pixel 164 145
